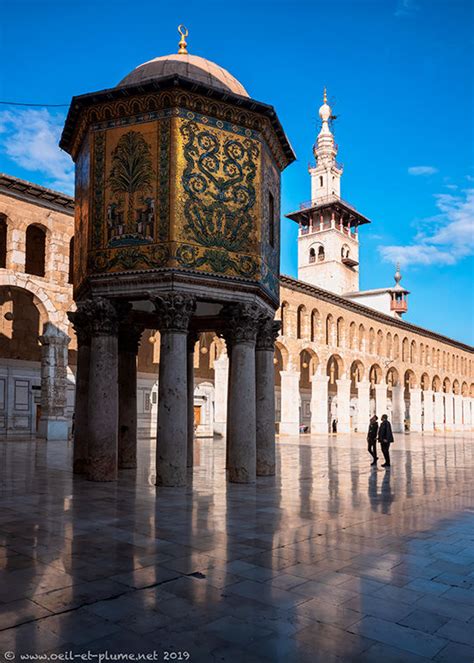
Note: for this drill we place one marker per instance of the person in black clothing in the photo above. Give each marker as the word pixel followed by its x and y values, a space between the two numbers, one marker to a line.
pixel 385 438
pixel 372 438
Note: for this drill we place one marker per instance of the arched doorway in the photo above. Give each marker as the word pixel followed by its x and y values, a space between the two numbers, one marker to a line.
pixel 357 373
pixel 334 371
pixel 308 366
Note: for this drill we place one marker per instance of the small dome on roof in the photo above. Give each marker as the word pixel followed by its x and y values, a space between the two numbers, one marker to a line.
pixel 189 66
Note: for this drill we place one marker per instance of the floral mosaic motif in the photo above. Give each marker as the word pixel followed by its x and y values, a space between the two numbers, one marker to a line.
pixel 131 217
pixel 129 258
pixel 219 183
pixel 219 261
pixel 163 180
pixel 98 188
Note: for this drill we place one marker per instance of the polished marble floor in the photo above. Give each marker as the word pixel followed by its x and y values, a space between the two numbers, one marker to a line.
pixel 331 560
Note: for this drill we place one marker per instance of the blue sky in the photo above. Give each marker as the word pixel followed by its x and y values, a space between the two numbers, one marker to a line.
pixel 399 74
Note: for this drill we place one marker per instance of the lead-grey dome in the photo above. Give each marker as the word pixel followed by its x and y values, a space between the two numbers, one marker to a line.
pixel 190 66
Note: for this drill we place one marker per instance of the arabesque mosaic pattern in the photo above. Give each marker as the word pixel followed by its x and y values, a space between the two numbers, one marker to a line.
pixel 181 190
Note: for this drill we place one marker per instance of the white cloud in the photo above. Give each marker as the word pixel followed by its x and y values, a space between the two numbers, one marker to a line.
pixel 30 139
pixel 406 8
pixel 422 170
pixel 447 237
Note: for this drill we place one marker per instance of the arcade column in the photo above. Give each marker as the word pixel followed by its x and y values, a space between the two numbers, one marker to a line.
pixel 438 411
pixel 221 381
pixel 415 410
pixel 191 342
pixel 343 405
pixel 363 406
pixel 265 395
pixel 290 403
pixel 449 410
pixel 319 403
pixel 428 411
pixel 174 311
pixel 53 423
pixel 103 390
pixel 398 408
pixel 128 344
pixel 380 399
pixel 81 324
pixel 241 330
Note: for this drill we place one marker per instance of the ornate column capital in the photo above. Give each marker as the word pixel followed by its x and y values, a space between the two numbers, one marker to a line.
pixel 242 323
pixel 52 335
pixel 81 325
pixel 268 332
pixel 101 315
pixel 129 336
pixel 174 311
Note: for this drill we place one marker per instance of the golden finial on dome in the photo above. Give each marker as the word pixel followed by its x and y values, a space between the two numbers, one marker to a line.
pixel 183 31
pixel 325 97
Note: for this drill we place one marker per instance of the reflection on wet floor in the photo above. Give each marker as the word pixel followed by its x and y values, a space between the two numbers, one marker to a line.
pixel 331 560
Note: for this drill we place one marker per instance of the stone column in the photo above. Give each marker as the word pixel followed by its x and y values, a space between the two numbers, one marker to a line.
pixel 191 342
pixel 398 409
pixel 319 403
pixel 428 411
pixel 103 390
pixel 458 425
pixel 174 312
pixel 80 322
pixel 53 424
pixel 221 381
pixel 438 411
pixel 343 405
pixel 290 402
pixel 466 412
pixel 363 406
pixel 265 395
pixel 380 399
pixel 415 410
pixel 449 411
pixel 241 329
pixel 128 343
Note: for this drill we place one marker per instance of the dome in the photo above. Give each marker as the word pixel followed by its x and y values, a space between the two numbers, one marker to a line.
pixel 189 66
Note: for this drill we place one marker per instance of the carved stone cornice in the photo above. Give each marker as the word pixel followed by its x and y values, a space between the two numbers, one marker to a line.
pixel 268 332
pixel 129 336
pixel 242 323
pixel 174 311
pixel 101 315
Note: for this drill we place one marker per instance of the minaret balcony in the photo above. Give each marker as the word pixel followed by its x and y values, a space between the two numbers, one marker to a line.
pixel 399 305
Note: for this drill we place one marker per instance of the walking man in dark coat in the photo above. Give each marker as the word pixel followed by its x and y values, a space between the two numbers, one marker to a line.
pixel 372 438
pixel 385 438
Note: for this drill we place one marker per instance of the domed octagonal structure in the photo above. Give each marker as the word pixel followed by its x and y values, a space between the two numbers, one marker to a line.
pixel 177 229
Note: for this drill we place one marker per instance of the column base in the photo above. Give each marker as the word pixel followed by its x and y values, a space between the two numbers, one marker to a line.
pixel 220 428
pixel 53 428
pixel 319 427
pixel 289 428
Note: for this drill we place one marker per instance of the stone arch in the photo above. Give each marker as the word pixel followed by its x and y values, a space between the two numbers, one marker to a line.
pixel 361 338
pixel 284 318
pixel 422 354
pixel 3 240
pixel 281 352
pixel 464 389
pixel 405 350
pixel 40 298
pixel 352 335
pixel 393 377
pixel 446 385
pixel 357 374
pixel 471 390
pixel 456 387
pixel 21 323
pixel 309 362
pixel 436 383
pixel 388 345
pixel 396 347
pixel 379 343
pixel 413 352
pixel 340 331
pixel 315 325
pixel 371 341
pixel 330 329
pixel 301 322
pixel 334 368
pixel 375 374
pixel 35 249
pixel 409 380
pixel 425 381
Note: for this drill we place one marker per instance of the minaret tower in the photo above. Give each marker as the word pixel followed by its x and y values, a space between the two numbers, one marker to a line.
pixel 328 242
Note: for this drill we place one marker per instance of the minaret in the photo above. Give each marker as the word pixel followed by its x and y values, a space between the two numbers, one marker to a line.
pixel 326 174
pixel 328 243
pixel 398 304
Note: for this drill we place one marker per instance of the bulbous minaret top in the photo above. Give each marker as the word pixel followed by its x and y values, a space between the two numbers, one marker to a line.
pixel 325 149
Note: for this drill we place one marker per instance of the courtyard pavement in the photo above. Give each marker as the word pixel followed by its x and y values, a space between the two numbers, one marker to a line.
pixel 331 560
